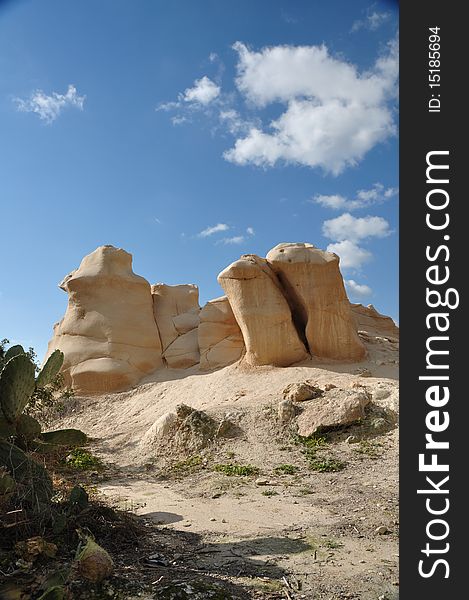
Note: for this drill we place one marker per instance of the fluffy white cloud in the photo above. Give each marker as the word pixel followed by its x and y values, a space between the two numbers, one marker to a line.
pixel 347 227
pixel 356 289
pixel 334 201
pixel 214 229
pixel 334 114
pixel 250 231
pixel 351 255
pixel 204 91
pixel 49 107
pixel 377 194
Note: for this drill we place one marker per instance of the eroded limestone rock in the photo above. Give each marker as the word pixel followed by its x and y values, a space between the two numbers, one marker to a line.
pixel 176 309
pixel 262 313
pixel 108 334
pixel 220 339
pixel 315 291
pixel 337 407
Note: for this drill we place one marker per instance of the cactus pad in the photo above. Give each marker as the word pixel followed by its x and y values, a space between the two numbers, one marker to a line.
pixel 7 429
pixel 33 481
pixel 12 352
pixel 28 428
pixel 16 386
pixel 65 437
pixel 51 369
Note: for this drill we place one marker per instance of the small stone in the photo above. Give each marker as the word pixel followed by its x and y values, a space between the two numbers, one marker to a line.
pixel 286 411
pixel 381 530
pixel 329 386
pixel 223 520
pixel 262 481
pixel 212 519
pixel 299 392
pixel 187 524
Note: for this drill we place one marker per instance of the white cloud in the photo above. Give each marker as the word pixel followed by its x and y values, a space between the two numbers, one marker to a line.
pixel 49 107
pixel 372 21
pixel 204 91
pixel 250 231
pixel 377 194
pixel 356 289
pixel 334 114
pixel 211 230
pixel 335 201
pixel 237 239
pixel 347 227
pixel 178 120
pixel 351 255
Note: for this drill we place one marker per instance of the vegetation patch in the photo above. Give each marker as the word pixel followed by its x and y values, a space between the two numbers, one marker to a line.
pixel 326 465
pixel 311 446
pixel 83 460
pixel 286 469
pixel 369 448
pixel 269 493
pixel 310 442
pixel 236 470
pixel 189 465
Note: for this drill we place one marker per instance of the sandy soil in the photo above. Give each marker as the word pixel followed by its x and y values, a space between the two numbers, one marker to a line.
pixel 306 534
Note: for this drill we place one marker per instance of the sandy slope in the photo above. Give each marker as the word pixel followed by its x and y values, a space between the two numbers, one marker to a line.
pixel 316 528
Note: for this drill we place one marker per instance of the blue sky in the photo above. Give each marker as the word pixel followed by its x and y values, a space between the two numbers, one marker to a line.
pixel 191 132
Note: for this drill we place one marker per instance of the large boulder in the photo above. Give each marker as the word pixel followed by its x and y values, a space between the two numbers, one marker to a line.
pixel 262 313
pixel 220 339
pixel 108 334
pixel 315 291
pixel 338 407
pixel 176 309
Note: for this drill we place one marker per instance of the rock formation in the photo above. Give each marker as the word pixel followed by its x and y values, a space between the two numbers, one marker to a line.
pixel 220 339
pixel 315 291
pixel 108 334
pixel 262 312
pixel 176 309
pixel 368 319
pixel 277 311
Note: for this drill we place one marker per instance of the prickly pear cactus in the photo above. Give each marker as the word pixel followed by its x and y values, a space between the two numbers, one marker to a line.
pixel 28 427
pixel 16 386
pixel 51 369
pixel 31 478
pixel 7 429
pixel 12 352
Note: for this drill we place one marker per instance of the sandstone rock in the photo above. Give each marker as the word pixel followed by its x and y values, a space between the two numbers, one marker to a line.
pixel 160 429
pixel 176 309
pixel 368 319
pixel 196 431
pixel 108 334
pixel 316 294
pixel 220 339
pixel 262 312
pixel 337 407
pixel 299 392
pixel 183 352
